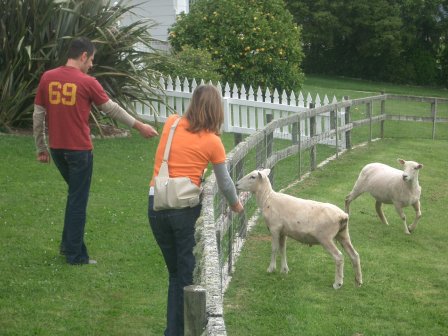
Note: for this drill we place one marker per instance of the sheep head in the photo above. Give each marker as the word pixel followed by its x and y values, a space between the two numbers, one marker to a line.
pixel 252 181
pixel 410 169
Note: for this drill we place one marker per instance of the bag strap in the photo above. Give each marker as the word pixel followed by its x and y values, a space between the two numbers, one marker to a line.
pixel 163 171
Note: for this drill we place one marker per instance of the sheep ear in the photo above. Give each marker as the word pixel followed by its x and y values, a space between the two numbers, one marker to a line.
pixel 267 171
pixel 401 161
pixel 420 166
pixel 259 175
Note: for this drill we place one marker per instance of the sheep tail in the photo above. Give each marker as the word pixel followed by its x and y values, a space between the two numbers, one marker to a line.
pixel 343 222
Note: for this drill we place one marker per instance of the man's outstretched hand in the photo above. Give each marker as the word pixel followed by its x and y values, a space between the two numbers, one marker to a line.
pixel 145 130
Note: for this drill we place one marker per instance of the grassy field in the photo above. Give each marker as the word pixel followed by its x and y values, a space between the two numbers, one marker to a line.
pixel 356 88
pixel 40 295
pixel 405 277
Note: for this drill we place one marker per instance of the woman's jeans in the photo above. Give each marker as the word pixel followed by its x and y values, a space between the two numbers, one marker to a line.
pixel 174 230
pixel 76 168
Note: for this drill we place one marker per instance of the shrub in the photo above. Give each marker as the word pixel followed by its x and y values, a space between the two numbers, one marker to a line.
pixel 191 63
pixel 255 42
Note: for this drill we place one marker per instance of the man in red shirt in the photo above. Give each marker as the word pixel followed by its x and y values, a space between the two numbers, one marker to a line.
pixel 63 100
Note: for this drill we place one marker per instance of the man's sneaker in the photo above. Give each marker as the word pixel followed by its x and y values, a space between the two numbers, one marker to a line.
pixel 90 262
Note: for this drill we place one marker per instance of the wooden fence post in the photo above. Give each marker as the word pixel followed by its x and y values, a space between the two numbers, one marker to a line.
pixel 300 153
pixel 227 109
pixel 383 111
pixel 313 148
pixel 241 220
pixel 369 115
pixel 434 117
pixel 348 134
pixel 270 137
pixel 260 158
pixel 296 140
pixel 195 314
pixel 237 138
pixel 333 120
pixel 233 169
pixel 295 132
pixel 269 143
pixel 334 126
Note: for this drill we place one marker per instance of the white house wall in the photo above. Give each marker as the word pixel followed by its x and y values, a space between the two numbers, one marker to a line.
pixel 162 12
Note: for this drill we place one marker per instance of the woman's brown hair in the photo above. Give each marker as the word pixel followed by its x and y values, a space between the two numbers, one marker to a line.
pixel 205 112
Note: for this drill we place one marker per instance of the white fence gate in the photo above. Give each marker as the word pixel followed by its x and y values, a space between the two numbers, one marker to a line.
pixel 244 111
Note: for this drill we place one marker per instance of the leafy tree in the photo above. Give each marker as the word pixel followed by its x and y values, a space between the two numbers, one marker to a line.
pixel 255 42
pixel 321 29
pixel 34 37
pixel 191 63
pixel 375 37
pixel 398 41
pixel 425 31
pixel 443 48
pixel 349 37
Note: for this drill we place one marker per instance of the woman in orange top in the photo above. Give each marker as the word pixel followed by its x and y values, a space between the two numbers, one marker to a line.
pixel 195 144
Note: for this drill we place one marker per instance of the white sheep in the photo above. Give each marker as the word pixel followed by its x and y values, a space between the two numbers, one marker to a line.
pixel 306 221
pixel 391 186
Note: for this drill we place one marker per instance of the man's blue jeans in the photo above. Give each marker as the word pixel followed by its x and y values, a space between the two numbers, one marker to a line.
pixel 76 168
pixel 174 232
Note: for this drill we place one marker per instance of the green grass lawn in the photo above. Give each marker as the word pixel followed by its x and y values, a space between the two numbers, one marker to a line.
pixel 125 293
pixel 41 295
pixel 357 88
pixel 405 289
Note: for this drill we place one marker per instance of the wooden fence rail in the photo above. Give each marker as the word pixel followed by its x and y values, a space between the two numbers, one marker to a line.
pixel 221 234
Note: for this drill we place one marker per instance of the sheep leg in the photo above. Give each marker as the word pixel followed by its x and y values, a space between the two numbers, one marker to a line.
pixel 339 261
pixel 379 211
pixel 418 214
pixel 356 191
pixel 348 199
pixel 402 216
pixel 275 246
pixel 282 241
pixel 347 203
pixel 344 238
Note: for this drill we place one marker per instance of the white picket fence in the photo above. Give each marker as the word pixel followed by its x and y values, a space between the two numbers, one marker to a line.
pixel 244 111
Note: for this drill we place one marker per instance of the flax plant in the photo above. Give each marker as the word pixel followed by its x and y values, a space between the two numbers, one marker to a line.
pixel 34 37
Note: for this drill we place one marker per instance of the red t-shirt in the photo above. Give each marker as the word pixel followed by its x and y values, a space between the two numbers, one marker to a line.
pixel 190 153
pixel 67 95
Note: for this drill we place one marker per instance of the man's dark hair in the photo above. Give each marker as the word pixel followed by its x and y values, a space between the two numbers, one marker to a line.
pixel 80 45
